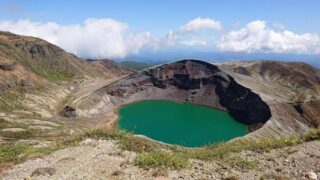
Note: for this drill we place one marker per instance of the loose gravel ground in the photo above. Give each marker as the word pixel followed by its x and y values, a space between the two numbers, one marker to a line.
pixel 103 159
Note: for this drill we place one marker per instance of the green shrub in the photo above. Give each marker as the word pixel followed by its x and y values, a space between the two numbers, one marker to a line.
pixel 11 152
pixel 17 135
pixel 175 157
pixel 4 124
pixel 312 135
pixel 127 141
pixel 159 159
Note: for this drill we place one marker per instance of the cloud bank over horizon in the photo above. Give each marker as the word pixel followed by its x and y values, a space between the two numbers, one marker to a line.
pixel 257 37
pixel 109 38
pixel 93 38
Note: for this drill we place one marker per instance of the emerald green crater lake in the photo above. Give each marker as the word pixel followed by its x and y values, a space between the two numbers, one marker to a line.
pixel 177 123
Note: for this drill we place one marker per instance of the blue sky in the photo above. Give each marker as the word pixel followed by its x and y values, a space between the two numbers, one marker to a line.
pixel 145 25
pixel 162 15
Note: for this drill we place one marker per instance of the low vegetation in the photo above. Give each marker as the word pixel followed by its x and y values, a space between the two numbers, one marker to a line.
pixel 11 153
pixel 154 155
pixel 23 134
pixel 17 135
pixel 9 100
pixel 126 140
pixel 53 75
pixel 4 124
pixel 161 159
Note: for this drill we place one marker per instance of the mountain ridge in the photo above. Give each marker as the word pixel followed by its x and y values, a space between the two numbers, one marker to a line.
pixel 43 106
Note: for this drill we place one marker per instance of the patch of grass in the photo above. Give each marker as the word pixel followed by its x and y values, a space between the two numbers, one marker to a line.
pixel 138 144
pixel 4 124
pixel 160 159
pixel 312 135
pixel 12 154
pixel 155 155
pixel 17 135
pixel 222 151
pixel 14 135
pixel 127 141
pixel 53 74
pixel 10 100
pixel 36 152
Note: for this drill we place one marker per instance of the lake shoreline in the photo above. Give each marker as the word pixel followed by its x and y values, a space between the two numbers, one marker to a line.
pixel 182 115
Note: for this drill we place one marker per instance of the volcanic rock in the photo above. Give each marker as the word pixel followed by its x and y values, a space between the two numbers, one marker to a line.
pixel 193 81
pixel 69 111
pixel 7 67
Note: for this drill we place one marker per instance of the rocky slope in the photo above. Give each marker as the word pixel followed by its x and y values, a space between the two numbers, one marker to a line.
pixel 109 68
pixel 291 90
pixel 272 95
pixel 104 159
pixel 38 80
pixel 27 60
pixel 42 58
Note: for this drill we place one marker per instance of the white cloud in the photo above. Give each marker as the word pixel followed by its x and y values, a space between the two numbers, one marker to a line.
pixel 101 38
pixel 108 38
pixel 198 24
pixel 189 33
pixel 194 42
pixel 257 37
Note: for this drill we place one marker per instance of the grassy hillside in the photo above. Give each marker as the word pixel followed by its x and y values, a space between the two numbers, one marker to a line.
pixel 42 58
pixel 28 63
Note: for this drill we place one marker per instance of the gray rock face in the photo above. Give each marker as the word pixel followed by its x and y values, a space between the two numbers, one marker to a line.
pixel 69 111
pixel 193 81
pixel 7 67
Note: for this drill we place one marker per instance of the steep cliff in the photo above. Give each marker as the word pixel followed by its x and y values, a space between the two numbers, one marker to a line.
pixel 291 89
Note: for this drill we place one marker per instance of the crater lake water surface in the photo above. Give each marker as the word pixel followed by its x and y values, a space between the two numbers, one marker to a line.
pixel 179 123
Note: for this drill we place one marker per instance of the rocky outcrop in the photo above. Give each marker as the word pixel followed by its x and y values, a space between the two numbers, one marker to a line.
pixel 7 67
pixel 293 73
pixel 69 112
pixel 13 75
pixel 109 67
pixel 193 81
pixel 29 64
pixel 47 60
pixel 242 70
pixel 243 104
pixel 310 111
pixel 291 90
